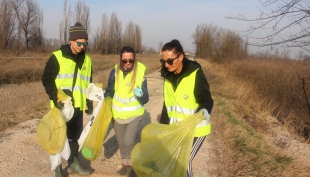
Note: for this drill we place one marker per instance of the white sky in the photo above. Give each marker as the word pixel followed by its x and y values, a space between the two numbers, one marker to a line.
pixel 160 20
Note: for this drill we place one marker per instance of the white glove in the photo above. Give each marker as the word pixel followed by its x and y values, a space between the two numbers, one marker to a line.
pixel 67 110
pixel 138 92
pixel 206 114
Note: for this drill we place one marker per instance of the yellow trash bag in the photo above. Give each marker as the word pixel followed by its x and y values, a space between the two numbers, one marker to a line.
pixel 52 129
pixel 165 149
pixel 94 141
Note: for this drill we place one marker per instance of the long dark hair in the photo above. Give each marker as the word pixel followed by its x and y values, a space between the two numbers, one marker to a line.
pixel 174 46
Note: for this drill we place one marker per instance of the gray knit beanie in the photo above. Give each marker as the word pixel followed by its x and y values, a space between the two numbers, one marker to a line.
pixel 77 32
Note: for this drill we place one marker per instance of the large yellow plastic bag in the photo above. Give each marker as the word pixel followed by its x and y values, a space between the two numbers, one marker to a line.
pixel 94 93
pixel 52 129
pixel 165 149
pixel 93 143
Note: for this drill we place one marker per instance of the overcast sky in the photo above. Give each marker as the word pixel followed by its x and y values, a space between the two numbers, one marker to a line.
pixel 159 20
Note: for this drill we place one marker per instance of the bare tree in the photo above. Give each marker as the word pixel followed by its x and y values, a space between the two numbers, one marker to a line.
pixel 27 13
pixel 219 45
pixel 36 36
pixel 115 35
pixel 138 39
pixel 204 37
pixel 82 14
pixel 129 35
pixel 65 24
pixel 100 40
pixel 7 23
pixel 132 36
pixel 284 23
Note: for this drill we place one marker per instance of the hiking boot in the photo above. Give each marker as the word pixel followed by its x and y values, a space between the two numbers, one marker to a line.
pixel 75 168
pixel 122 171
pixel 58 171
pixel 131 172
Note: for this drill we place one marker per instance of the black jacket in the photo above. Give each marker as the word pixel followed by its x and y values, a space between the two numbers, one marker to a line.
pixel 52 68
pixel 201 89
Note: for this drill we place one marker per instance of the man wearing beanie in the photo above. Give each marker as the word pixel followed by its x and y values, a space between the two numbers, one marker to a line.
pixel 70 68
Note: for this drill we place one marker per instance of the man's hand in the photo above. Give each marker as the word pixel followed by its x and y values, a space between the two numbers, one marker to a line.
pixel 206 114
pixel 58 104
pixel 90 108
pixel 138 92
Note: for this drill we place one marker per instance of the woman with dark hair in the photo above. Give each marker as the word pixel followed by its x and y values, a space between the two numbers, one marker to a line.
pixel 127 86
pixel 186 91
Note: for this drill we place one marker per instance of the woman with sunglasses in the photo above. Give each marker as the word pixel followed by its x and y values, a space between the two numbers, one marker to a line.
pixel 186 91
pixel 127 86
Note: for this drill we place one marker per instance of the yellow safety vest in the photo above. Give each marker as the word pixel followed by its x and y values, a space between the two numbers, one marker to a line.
pixel 64 79
pixel 125 104
pixel 181 103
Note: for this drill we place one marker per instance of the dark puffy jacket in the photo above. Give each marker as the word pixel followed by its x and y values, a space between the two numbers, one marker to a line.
pixel 201 90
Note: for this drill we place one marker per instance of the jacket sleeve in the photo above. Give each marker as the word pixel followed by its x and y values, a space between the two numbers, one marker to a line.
pixel 49 75
pixel 164 119
pixel 145 97
pixel 109 92
pixel 202 92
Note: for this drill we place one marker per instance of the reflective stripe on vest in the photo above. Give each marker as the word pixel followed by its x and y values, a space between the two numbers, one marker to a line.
pixel 125 104
pixel 181 103
pixel 64 79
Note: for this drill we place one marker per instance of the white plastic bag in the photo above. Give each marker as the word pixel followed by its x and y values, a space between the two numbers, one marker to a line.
pixel 94 93
pixel 67 110
pixel 65 154
pixel 55 161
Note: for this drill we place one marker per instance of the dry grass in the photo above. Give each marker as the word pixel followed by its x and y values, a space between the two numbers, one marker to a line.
pixel 243 119
pixel 275 87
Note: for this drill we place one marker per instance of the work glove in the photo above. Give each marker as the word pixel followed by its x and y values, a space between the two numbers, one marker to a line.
pixel 90 108
pixel 138 92
pixel 206 114
pixel 58 104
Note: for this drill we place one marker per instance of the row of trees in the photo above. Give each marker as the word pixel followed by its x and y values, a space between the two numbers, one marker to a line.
pixel 221 45
pixel 109 38
pixel 21 24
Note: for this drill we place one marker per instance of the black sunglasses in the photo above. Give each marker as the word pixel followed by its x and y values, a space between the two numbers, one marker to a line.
pixel 81 43
pixel 169 61
pixel 126 61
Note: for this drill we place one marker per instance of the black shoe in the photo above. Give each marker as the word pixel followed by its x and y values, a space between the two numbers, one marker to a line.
pixel 122 171
pixel 131 172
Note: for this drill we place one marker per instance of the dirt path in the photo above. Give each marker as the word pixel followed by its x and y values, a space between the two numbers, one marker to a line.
pixel 21 155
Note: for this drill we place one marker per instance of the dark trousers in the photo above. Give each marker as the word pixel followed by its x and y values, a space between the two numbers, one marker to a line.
pixel 75 126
